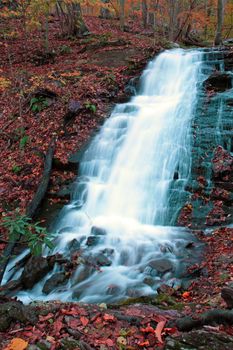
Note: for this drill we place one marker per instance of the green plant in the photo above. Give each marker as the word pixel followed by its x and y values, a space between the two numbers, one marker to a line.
pixel 90 106
pixel 23 142
pixel 64 49
pixel 34 235
pixel 37 104
pixel 16 169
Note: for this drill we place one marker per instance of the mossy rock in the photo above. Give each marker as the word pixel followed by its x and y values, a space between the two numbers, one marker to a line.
pixel 163 301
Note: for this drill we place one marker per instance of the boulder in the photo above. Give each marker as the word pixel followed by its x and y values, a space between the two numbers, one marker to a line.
pixel 161 265
pixel 35 269
pixel 218 82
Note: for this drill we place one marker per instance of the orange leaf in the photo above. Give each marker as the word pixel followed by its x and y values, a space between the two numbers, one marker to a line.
pixel 159 330
pixel 145 343
pixel 17 344
pixel 186 295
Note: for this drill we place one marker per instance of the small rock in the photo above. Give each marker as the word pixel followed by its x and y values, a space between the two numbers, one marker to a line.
pixel 102 260
pixel 98 231
pixel 92 241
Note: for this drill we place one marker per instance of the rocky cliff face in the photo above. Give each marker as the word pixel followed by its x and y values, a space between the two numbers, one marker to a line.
pixel 210 189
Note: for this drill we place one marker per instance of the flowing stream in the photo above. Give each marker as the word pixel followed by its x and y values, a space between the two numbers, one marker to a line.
pixel 130 189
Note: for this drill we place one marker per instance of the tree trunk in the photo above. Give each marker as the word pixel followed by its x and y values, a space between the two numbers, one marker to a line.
pixel 71 20
pixel 122 14
pixel 144 13
pixel 220 11
pixel 172 18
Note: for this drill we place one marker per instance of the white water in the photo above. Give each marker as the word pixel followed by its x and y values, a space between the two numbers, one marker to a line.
pixel 127 186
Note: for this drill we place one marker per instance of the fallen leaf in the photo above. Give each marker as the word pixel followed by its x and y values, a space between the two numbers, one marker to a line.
pixel 159 329
pixel 108 317
pixel 84 321
pixel 186 295
pixel 17 344
pixel 122 341
pixel 145 343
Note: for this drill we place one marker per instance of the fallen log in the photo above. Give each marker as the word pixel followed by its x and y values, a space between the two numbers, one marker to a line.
pixel 212 317
pixel 33 205
pixel 43 185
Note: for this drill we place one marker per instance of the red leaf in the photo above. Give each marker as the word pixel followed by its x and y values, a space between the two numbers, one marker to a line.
pixel 148 329
pixel 58 325
pixel 159 330
pixel 84 321
pixel 108 317
pixel 145 343
pixel 109 342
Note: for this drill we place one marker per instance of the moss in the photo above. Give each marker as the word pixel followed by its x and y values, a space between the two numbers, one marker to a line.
pixel 163 301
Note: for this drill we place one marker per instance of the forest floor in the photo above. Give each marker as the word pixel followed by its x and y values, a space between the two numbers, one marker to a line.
pixel 64 96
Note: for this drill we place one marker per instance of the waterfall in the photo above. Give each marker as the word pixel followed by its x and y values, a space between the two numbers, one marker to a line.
pixel 130 188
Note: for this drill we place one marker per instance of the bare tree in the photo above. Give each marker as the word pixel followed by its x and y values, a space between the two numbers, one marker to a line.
pixel 220 15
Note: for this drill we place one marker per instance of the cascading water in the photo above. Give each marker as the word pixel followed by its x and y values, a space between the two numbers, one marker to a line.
pixel 131 188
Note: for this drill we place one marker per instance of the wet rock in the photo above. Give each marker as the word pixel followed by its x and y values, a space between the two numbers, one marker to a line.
pixel 217 215
pixel 74 245
pixel 92 241
pixel 190 245
pixel 218 82
pixel 113 289
pixel 102 260
pixel 165 289
pixel 35 269
pixel 10 288
pixel 149 281
pixel 200 340
pixel 84 272
pixel 134 293
pixel 54 281
pixel 161 265
pixel 98 231
pixel 150 271
pixel 166 248
pixel 227 295
pixel 108 252
pixel 229 102
pixel 222 164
